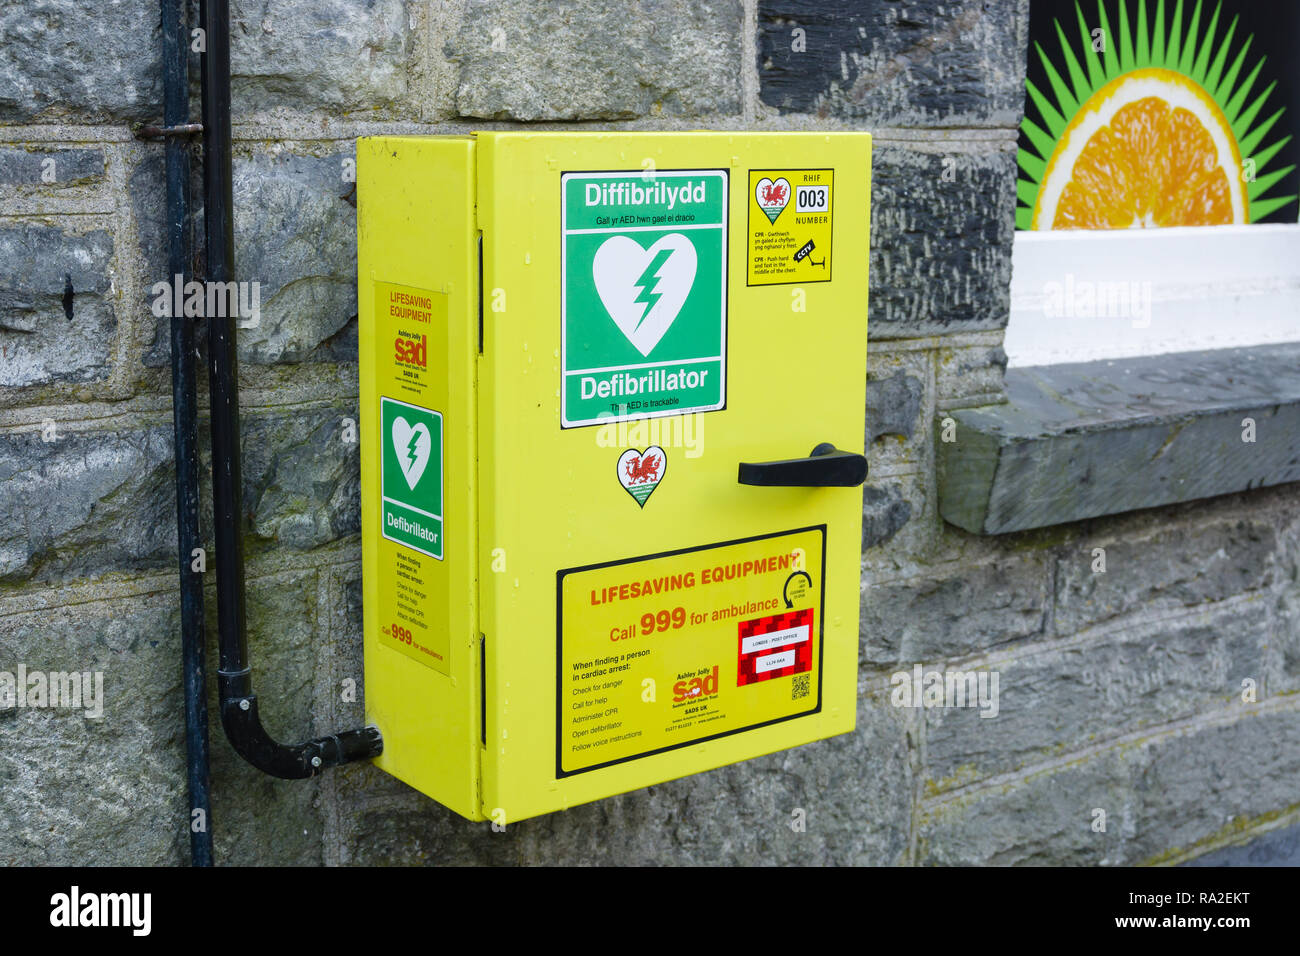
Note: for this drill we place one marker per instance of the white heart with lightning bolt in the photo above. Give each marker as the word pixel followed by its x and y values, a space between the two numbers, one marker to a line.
pixel 643 290
pixel 412 446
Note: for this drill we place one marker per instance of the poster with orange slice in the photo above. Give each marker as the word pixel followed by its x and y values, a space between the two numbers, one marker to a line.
pixel 1168 122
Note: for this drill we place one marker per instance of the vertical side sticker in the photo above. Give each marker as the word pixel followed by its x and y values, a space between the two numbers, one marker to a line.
pixel 411 437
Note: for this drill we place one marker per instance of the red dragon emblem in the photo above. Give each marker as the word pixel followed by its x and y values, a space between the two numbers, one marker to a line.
pixel 643 469
pixel 773 194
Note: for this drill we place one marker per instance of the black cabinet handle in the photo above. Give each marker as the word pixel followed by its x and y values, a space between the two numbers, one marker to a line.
pixel 825 467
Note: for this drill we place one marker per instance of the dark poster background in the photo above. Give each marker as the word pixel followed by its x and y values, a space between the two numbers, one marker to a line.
pixel 1274 25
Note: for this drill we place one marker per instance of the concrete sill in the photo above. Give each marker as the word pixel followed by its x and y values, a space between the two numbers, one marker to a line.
pixel 1097 438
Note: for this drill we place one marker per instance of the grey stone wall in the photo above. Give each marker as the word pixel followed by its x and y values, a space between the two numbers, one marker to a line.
pixel 1120 691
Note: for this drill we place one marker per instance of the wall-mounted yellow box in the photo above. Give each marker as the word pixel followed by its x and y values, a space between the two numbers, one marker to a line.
pixel 599 551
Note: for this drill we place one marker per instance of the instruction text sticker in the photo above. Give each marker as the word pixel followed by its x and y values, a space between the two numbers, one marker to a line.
pixel 789 228
pixel 670 650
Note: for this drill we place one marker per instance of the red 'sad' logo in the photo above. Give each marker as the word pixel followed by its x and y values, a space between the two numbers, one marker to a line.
pixel 703 686
pixel 411 352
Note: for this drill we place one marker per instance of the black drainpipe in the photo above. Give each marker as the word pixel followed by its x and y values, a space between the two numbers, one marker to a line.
pixel 176 128
pixel 239 713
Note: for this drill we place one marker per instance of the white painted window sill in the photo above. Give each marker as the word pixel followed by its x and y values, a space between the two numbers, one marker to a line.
pixel 1085 296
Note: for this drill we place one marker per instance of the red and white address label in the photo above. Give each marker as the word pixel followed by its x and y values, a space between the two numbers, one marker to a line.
pixel 775 646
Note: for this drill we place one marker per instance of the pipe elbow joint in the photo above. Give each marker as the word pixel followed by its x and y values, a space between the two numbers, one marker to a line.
pixel 243 726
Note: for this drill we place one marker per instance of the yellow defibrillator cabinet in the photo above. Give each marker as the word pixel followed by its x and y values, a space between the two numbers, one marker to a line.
pixel 612 393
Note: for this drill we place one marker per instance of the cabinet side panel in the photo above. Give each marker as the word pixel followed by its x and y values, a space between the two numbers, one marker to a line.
pixel 417 301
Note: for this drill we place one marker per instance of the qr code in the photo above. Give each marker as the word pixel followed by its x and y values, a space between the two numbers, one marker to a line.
pixel 799 688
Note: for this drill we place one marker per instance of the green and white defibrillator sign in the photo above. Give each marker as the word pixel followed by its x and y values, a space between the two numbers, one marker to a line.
pixel 643 301
pixel 411 476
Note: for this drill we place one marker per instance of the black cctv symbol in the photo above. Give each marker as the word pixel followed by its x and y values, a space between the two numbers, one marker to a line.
pixel 808 247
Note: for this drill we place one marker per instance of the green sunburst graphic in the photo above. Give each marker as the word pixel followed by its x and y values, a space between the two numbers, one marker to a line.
pixel 1199 57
